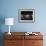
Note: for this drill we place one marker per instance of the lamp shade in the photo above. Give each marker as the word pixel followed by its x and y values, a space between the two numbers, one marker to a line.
pixel 9 21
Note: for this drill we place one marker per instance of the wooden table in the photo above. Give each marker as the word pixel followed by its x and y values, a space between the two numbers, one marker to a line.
pixel 20 39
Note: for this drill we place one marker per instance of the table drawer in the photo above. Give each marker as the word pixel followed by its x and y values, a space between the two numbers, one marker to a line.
pixel 13 43
pixel 34 37
pixel 33 43
pixel 9 43
pixel 16 37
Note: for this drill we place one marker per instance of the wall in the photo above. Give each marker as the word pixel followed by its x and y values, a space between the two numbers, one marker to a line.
pixel 9 8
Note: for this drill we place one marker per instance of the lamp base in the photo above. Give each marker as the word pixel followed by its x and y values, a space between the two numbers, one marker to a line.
pixel 9 33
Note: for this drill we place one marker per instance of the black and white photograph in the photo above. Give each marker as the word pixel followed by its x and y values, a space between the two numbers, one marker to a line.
pixel 26 15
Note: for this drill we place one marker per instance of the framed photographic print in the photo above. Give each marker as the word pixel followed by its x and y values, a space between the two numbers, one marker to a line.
pixel 26 15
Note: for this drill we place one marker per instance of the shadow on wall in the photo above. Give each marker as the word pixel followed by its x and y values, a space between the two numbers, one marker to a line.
pixel 2 21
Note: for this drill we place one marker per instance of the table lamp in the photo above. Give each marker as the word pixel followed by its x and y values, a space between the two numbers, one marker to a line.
pixel 9 21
